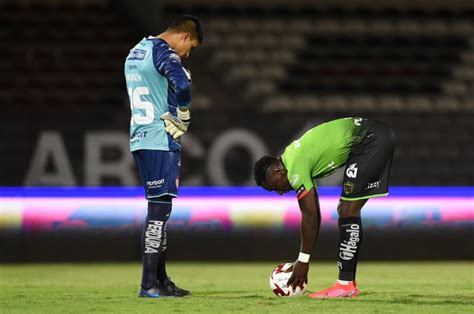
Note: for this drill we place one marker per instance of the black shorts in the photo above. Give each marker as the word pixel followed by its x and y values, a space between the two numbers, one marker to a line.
pixel 367 170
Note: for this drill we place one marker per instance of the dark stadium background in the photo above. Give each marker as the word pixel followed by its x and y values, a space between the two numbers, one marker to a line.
pixel 267 71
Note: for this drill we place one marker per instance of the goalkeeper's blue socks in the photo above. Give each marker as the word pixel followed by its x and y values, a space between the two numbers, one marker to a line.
pixel 152 241
pixel 350 239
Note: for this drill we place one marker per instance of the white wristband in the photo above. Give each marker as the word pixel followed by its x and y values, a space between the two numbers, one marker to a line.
pixel 303 257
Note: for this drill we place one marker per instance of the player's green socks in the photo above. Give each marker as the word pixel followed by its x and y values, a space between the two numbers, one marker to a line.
pixel 152 239
pixel 350 239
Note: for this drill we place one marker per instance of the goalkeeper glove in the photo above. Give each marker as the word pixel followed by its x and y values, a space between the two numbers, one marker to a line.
pixel 176 126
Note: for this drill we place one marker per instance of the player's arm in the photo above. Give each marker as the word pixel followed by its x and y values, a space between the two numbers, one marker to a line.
pixel 169 64
pixel 310 223
pixel 310 220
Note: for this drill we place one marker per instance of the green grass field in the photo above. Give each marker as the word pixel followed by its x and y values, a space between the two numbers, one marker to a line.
pixel 422 287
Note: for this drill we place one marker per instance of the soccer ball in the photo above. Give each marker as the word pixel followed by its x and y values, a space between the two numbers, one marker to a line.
pixel 278 280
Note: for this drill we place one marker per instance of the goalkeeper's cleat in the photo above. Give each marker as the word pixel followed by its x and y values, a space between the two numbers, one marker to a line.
pixel 150 293
pixel 337 291
pixel 167 288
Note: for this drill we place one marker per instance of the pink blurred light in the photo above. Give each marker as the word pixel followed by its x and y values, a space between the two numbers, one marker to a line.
pixel 44 213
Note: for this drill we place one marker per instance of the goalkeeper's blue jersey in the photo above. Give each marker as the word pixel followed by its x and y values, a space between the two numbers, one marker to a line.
pixel 156 83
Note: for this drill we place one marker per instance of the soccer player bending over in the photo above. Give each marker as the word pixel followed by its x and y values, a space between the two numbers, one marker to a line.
pixel 160 96
pixel 366 149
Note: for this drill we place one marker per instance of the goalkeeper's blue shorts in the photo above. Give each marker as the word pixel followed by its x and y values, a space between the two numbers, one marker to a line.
pixel 159 171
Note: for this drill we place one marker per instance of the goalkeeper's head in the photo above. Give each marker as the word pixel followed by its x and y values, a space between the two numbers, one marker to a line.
pixel 270 173
pixel 184 34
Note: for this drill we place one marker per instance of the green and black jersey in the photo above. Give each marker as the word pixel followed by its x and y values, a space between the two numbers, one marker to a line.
pixel 320 151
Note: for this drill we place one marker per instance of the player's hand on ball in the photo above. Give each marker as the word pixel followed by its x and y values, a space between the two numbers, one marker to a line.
pixel 299 276
pixel 176 126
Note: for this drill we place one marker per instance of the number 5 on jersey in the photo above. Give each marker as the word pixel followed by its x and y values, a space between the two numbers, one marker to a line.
pixel 140 106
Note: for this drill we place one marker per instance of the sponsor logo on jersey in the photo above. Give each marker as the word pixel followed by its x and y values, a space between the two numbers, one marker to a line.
pixel 357 121
pixel 373 185
pixel 155 184
pixel 153 234
pixel 351 172
pixel 294 180
pixel 137 136
pixel 348 187
pixel 348 248
pixel 133 77
pixel 136 54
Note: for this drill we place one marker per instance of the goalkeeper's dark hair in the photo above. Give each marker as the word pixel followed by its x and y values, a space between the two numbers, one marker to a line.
pixel 188 24
pixel 261 168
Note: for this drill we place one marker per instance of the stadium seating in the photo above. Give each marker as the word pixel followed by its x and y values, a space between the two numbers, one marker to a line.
pixel 410 67
pixel 72 51
pixel 316 53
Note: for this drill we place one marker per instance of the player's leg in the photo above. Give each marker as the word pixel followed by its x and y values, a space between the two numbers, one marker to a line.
pixel 159 172
pixel 366 176
pixel 162 275
pixel 165 285
pixel 152 242
pixel 171 167
pixel 350 241
pixel 146 161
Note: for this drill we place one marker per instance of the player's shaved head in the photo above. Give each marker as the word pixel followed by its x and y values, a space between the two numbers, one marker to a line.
pixel 187 24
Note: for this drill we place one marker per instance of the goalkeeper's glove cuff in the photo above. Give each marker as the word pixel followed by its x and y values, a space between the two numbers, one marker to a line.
pixel 184 115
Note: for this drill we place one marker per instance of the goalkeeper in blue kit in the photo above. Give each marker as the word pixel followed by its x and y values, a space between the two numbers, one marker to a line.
pixel 159 89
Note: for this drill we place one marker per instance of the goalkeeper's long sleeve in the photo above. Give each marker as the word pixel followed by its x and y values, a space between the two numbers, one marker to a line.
pixel 169 64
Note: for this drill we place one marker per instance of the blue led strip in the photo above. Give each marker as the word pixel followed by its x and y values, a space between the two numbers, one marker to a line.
pixel 213 191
